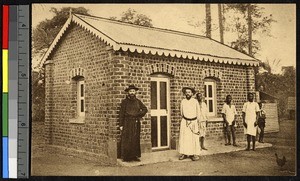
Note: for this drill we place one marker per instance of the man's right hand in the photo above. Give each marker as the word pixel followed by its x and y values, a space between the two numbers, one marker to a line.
pixel 121 128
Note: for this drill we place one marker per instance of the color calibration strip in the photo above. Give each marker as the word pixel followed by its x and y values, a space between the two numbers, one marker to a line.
pixel 15 91
pixel 5 30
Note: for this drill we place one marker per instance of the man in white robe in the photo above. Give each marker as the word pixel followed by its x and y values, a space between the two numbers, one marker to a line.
pixel 250 120
pixel 189 134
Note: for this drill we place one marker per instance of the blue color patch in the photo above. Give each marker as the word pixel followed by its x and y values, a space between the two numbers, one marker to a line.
pixel 5 157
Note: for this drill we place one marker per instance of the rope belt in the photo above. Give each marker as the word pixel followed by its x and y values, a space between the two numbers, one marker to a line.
pixel 188 122
pixel 189 119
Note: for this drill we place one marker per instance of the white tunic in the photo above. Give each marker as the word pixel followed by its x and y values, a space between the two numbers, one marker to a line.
pixel 202 119
pixel 189 133
pixel 250 109
pixel 230 112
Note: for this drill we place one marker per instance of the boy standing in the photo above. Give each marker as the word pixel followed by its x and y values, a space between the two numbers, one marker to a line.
pixel 203 118
pixel 229 115
pixel 261 123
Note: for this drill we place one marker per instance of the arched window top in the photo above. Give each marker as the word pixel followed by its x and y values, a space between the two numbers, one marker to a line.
pixel 211 79
pixel 212 74
pixel 162 69
pixel 77 73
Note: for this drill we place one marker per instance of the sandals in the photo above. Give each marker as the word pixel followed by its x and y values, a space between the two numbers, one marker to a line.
pixel 182 157
pixel 203 148
pixel 195 158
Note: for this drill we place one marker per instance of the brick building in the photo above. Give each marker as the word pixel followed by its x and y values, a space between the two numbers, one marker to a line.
pixel 92 60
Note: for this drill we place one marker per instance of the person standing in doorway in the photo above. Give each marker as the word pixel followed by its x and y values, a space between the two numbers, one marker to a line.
pixel 250 120
pixel 189 133
pixel 229 116
pixel 131 111
pixel 203 119
pixel 261 123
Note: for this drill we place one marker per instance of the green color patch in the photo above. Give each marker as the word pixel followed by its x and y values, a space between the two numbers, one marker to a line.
pixel 4 114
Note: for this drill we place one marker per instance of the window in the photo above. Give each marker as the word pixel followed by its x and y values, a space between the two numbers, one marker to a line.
pixel 210 96
pixel 80 98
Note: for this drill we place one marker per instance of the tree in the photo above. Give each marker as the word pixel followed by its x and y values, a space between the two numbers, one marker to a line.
pixel 46 31
pixel 38 95
pixel 250 29
pixel 208 20
pixel 131 16
pixel 248 19
pixel 271 66
pixel 279 85
pixel 221 21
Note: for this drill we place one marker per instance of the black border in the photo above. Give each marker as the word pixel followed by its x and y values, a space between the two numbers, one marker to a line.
pixel 146 178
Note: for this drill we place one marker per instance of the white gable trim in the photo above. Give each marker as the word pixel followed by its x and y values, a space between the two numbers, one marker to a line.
pixel 109 41
pixel 57 38
pixel 147 50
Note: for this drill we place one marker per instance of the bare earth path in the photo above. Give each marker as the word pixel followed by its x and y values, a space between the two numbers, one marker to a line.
pixel 261 162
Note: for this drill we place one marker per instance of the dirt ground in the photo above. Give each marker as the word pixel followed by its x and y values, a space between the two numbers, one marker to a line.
pixel 261 162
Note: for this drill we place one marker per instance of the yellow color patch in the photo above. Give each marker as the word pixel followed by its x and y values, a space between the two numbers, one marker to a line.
pixel 5 70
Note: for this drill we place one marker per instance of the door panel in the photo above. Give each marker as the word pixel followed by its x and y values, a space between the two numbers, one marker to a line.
pixel 163 134
pixel 160 118
pixel 154 131
pixel 163 93
pixel 153 95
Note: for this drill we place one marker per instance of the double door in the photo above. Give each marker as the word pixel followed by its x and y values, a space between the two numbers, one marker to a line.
pixel 160 112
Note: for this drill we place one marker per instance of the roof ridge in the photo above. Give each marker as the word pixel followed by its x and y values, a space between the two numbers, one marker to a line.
pixel 145 27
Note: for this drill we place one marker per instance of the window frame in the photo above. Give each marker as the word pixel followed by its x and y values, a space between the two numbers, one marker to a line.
pixel 211 82
pixel 80 98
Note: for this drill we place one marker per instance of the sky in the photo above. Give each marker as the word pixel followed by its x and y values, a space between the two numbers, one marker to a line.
pixel 280 46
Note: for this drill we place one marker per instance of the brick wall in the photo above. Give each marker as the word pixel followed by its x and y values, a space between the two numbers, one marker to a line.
pixel 48 101
pixel 107 73
pixel 235 80
pixel 79 49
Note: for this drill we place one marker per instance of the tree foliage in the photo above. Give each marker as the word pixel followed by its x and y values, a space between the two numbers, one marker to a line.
pixel 261 23
pixel 38 95
pixel 279 85
pixel 46 31
pixel 131 16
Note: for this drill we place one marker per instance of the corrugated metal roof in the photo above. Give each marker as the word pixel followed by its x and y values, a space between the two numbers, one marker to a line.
pixel 129 37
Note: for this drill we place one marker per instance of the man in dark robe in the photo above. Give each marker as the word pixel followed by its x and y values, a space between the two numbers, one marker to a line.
pixel 132 110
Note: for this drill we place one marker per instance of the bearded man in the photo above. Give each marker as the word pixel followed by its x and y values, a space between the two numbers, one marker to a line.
pixel 189 145
pixel 131 112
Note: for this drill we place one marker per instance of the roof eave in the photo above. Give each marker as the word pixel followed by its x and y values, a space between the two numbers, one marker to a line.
pixel 147 50
pixel 186 55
